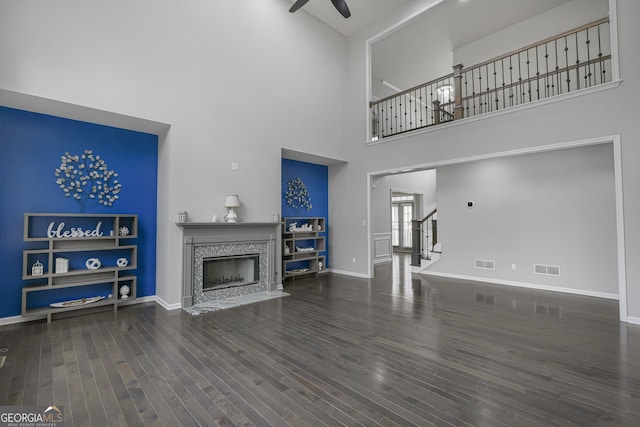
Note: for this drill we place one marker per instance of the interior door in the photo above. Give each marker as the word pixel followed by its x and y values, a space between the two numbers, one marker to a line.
pixel 402 213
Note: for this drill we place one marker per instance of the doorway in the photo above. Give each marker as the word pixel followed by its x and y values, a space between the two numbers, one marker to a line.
pixel 619 225
pixel 403 211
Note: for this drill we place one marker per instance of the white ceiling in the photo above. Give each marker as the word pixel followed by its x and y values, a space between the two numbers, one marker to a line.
pixel 472 16
pixel 363 13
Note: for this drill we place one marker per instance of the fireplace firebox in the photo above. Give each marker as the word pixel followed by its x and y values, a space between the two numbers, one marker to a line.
pixel 230 271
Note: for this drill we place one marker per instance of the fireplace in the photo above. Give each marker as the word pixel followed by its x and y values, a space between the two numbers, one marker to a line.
pixel 226 260
pixel 230 271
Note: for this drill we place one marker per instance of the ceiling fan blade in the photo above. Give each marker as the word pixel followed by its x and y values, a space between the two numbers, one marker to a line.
pixel 297 5
pixel 342 7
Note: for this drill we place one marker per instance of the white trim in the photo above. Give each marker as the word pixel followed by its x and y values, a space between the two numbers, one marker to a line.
pixel 523 285
pixel 166 305
pixel 351 273
pixel 619 197
pixel 634 320
pixel 151 298
pixel 378 256
pixel 613 34
pixel 620 240
pixel 19 319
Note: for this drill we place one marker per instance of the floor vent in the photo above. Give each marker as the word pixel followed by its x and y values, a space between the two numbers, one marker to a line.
pixel 548 270
pixel 485 264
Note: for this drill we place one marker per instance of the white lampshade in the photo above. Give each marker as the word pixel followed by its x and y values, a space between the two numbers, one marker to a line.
pixel 232 201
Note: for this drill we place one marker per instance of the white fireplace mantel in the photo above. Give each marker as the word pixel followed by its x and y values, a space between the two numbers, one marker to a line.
pixel 202 234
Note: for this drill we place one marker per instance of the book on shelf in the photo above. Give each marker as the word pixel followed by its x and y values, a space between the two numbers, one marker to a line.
pixel 62 265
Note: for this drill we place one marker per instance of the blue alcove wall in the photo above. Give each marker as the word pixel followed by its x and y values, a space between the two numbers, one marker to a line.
pixel 316 180
pixel 32 146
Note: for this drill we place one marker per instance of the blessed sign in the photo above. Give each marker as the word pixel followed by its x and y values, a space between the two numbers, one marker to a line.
pixel 59 231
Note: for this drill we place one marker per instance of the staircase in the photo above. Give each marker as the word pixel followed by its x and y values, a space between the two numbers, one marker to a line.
pixel 426 247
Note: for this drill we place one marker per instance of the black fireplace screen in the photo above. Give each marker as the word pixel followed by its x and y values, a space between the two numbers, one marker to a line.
pixel 230 271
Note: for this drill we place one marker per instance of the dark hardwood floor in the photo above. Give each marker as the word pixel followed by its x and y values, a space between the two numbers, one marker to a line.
pixel 395 350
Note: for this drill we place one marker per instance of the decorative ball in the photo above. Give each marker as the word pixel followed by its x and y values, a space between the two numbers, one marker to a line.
pixel 122 262
pixel 124 291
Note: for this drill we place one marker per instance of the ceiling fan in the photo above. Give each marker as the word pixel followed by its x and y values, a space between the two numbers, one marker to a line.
pixel 341 5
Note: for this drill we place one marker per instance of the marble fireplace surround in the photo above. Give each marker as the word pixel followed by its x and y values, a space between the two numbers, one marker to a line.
pixel 203 240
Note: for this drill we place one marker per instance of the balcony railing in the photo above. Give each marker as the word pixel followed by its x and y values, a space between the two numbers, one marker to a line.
pixel 568 62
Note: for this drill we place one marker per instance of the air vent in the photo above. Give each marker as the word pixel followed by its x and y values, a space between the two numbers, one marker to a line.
pixel 548 270
pixel 485 264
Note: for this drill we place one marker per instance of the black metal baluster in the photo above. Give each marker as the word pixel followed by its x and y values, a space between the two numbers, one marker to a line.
pixel 487 96
pixel 511 82
pixel 487 99
pixel 566 57
pixel 385 128
pixel 392 114
pixel 537 75
pixel 495 86
pixel 602 69
pixel 421 104
pixel 587 78
pixel 558 80
pixel 520 85
pixel 504 105
pixel 473 91
pixel 433 119
pixel 528 76
pixel 577 63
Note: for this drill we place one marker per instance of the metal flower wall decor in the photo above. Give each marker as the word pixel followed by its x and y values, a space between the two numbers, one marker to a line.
pixel 297 195
pixel 88 179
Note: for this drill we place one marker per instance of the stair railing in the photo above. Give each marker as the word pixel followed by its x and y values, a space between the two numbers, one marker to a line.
pixel 420 234
pixel 567 62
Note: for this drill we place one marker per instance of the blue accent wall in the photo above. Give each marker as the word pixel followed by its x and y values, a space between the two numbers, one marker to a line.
pixel 32 146
pixel 316 179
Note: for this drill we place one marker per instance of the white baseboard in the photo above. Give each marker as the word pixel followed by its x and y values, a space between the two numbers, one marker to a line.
pixel 381 260
pixel 525 285
pixel 19 319
pixel 166 305
pixel 634 320
pixel 140 300
pixel 350 273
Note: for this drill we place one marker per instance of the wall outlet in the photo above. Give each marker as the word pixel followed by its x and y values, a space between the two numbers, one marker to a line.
pixel 514 267
pixel 235 166
pixel 353 260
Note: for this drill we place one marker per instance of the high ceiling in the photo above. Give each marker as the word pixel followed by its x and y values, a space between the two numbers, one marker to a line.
pixel 423 48
pixel 363 13
pixel 471 15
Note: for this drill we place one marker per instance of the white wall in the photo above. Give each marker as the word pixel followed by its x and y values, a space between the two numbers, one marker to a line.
pixel 236 81
pixel 553 208
pixel 555 21
pixel 608 112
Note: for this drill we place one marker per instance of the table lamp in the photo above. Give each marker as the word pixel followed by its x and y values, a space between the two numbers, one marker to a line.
pixel 231 202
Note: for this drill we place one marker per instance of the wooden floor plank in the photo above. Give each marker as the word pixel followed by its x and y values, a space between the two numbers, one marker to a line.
pixel 396 350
